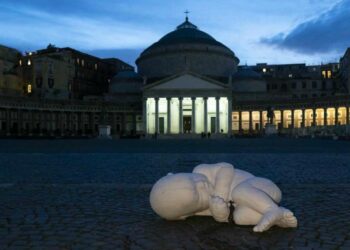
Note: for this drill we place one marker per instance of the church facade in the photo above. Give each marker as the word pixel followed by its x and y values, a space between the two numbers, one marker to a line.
pixel 187 104
pixel 187 84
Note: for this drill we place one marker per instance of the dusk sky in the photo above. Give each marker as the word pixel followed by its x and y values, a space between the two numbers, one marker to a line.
pixel 272 31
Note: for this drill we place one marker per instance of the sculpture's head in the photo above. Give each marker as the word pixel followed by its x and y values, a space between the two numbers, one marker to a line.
pixel 177 196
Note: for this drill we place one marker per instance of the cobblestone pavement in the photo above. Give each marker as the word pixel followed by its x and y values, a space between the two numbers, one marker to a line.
pixel 114 217
pixel 71 200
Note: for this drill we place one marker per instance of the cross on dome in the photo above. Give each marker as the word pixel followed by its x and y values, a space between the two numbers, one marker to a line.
pixel 186 13
pixel 187 24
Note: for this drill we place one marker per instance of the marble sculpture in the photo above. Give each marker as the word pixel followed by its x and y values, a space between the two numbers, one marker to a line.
pixel 223 192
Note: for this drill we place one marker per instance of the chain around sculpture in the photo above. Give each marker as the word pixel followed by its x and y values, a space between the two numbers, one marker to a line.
pixel 223 192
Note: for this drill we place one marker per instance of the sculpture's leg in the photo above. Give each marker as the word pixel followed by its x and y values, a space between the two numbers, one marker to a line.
pixel 246 195
pixel 268 187
pixel 246 216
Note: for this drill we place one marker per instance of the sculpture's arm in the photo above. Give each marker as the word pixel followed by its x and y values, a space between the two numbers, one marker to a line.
pixel 221 175
pixel 223 181
pixel 219 209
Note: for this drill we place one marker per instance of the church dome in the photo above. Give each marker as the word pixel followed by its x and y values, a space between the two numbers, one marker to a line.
pixel 187 49
pixel 186 33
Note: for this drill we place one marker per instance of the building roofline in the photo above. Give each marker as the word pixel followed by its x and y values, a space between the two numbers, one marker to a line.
pixel 185 73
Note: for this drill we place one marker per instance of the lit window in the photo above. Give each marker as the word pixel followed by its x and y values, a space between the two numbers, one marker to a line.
pixel 29 62
pixel 324 74
pixel 96 66
pixel 30 53
pixel 264 70
pixel 20 62
pixel 29 88
pixel 82 63
pixel 329 74
pixel 78 60
pixel 290 75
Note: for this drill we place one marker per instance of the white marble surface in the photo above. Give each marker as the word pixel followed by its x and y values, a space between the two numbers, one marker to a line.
pixel 208 190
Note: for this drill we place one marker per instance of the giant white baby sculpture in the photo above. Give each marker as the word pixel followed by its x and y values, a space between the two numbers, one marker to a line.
pixel 209 189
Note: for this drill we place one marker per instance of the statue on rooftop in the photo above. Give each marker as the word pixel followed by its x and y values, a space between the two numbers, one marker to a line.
pixel 223 192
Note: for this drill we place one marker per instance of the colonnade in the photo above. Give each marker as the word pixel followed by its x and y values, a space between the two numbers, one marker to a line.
pixel 28 122
pixel 255 120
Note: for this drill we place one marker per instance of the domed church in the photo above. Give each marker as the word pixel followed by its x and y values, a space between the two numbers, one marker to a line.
pixel 187 83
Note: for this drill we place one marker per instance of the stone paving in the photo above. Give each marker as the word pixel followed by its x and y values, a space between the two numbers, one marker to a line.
pixel 71 200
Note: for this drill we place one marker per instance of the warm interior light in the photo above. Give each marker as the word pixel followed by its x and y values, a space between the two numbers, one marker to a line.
pixel 29 88
pixel 329 74
pixel 29 62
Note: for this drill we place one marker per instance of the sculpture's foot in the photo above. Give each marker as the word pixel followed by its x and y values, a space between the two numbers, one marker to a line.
pixel 288 220
pixel 280 216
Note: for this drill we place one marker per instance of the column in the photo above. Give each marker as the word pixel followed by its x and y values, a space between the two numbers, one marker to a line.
pixel 157 115
pixel 31 122
pixel 20 121
pixel 347 115
pixel 144 115
pixel 229 116
pixel 50 122
pixel 134 123
pixel 336 116
pixel 205 115
pixel 303 118
pixel 8 121
pixel 57 122
pixel 250 121
pixel 314 117
pixel 325 116
pixel 217 127
pixel 193 124
pixel 61 123
pixel 79 124
pixel 168 115
pixel 240 121
pixel 74 122
pixel 123 123
pixel 41 127
pixel 68 123
pixel 292 117
pixel 261 120
pixel 82 118
pixel 282 119
pixel 181 125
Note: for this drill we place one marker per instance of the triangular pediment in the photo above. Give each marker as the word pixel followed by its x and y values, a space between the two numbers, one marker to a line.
pixel 187 81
